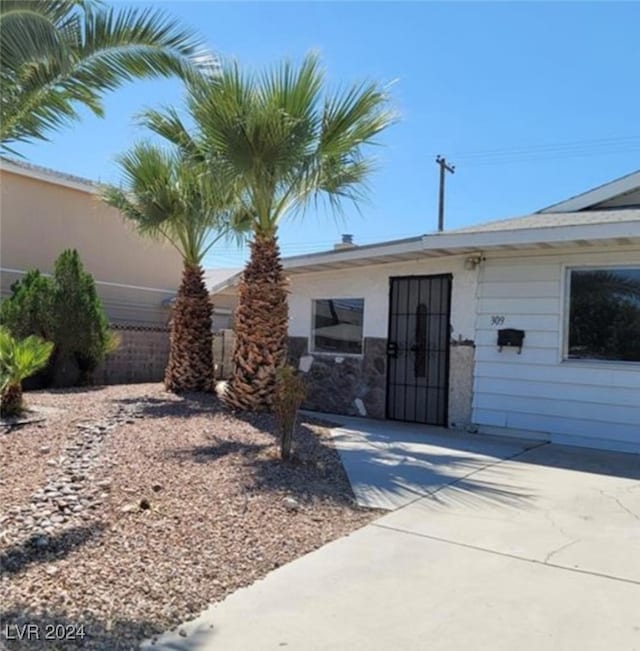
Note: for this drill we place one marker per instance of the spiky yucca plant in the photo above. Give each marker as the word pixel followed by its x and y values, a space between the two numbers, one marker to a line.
pixel 19 359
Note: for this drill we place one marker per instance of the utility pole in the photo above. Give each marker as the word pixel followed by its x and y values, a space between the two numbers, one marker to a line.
pixel 444 167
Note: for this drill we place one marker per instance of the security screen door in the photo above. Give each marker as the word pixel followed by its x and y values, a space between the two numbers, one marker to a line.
pixel 418 349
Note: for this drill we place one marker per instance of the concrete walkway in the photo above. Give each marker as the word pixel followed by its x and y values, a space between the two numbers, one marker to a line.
pixel 494 544
pixel 391 464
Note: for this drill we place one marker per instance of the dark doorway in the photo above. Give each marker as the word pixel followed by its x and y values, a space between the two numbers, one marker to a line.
pixel 418 349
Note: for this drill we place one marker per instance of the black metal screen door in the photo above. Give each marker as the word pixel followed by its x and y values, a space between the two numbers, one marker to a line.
pixel 418 349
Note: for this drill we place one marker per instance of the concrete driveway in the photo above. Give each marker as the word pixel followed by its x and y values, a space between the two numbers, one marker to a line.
pixel 491 544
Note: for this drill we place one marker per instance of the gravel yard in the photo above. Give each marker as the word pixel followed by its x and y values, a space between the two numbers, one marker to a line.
pixel 129 510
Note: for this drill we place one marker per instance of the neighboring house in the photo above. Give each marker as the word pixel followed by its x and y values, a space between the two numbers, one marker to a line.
pixel 43 212
pixel 409 329
pixel 224 298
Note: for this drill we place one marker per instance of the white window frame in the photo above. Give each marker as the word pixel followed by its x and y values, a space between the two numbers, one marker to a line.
pixel 565 302
pixel 312 336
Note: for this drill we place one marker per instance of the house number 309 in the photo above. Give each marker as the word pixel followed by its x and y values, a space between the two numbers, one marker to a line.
pixel 497 319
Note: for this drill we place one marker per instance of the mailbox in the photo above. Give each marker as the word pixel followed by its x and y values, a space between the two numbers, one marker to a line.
pixel 510 337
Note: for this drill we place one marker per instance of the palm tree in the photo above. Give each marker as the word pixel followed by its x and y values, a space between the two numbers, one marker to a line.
pixel 57 54
pixel 19 359
pixel 170 195
pixel 286 143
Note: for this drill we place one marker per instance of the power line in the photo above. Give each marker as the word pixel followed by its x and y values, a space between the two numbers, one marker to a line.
pixel 550 151
pixel 540 158
pixel 571 144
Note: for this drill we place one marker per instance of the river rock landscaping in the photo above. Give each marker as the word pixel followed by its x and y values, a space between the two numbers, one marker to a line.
pixel 128 510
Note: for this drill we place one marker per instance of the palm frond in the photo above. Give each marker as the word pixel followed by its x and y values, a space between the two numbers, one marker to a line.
pixel 285 141
pixel 169 195
pixel 58 54
pixel 168 124
pixel 21 358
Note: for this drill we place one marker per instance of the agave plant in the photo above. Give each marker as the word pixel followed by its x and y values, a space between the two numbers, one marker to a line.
pixel 19 359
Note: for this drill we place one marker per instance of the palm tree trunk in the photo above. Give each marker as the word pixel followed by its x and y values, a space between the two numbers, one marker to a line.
pixel 190 366
pixel 11 400
pixel 261 328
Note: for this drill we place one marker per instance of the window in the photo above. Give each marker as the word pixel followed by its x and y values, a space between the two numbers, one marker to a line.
pixel 604 314
pixel 337 325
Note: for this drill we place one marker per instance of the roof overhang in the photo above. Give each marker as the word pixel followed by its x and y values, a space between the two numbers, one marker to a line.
pixel 448 244
pixel 583 236
pixel 48 176
pixel 602 193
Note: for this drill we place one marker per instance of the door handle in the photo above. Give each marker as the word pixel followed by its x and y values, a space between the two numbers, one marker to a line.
pixel 392 349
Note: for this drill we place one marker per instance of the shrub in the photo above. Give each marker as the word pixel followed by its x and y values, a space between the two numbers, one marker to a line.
pixel 82 329
pixel 65 310
pixel 291 390
pixel 29 310
pixel 19 358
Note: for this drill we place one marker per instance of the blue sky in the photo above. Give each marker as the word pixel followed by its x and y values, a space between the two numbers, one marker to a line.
pixel 533 102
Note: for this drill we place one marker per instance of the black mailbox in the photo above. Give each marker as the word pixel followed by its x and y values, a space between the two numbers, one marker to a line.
pixel 510 337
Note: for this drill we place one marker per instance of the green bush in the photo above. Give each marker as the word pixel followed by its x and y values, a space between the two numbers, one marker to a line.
pixel 29 311
pixel 65 310
pixel 82 329
pixel 291 390
pixel 19 358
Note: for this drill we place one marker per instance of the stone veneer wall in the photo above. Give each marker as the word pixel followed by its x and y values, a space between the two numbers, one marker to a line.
pixel 344 384
pixel 141 357
pixel 356 386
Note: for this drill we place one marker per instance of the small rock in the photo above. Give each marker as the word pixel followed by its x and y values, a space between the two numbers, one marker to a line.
pixel 157 488
pixel 129 508
pixel 41 541
pixel 52 462
pixel 45 449
pixel 145 504
pixel 182 633
pixel 291 503
pixel 51 570
pixel 105 484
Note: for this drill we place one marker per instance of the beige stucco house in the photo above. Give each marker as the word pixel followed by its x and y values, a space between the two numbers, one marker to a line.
pixel 43 212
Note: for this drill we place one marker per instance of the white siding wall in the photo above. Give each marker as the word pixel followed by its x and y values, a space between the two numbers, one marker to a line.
pixel 568 401
pixel 372 284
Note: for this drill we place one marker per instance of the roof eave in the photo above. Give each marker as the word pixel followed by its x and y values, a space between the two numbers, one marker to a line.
pixel 87 186
pixel 444 244
pixel 593 197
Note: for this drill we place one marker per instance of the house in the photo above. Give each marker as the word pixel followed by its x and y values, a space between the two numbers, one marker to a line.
pixel 524 327
pixel 224 297
pixel 43 212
